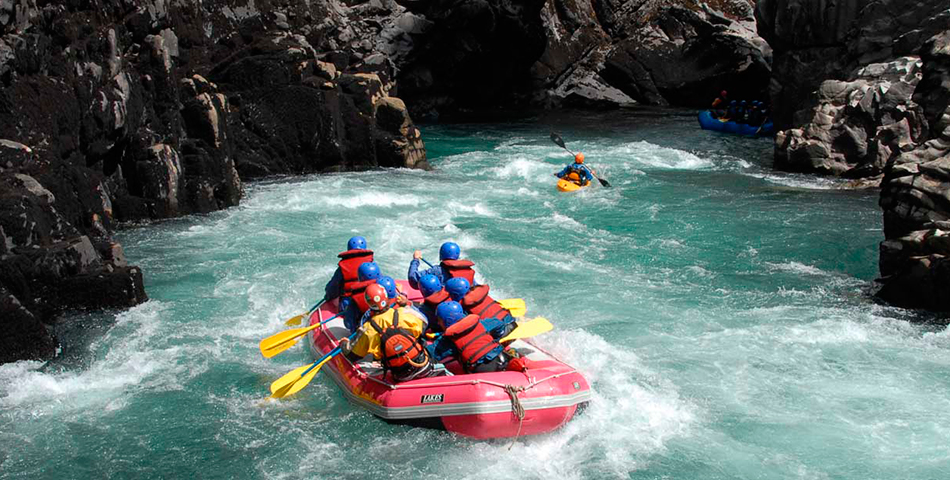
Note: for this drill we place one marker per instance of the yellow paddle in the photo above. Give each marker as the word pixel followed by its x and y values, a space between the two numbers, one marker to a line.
pixel 279 342
pixel 535 326
pixel 298 378
pixel 514 305
pixel 295 320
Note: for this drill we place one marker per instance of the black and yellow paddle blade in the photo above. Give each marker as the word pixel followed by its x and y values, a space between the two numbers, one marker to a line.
pixel 295 320
pixel 514 305
pixel 279 342
pixel 535 326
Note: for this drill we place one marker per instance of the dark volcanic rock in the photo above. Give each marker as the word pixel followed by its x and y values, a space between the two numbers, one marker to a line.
pixel 107 114
pixel 822 56
pixel 656 52
pixel 915 196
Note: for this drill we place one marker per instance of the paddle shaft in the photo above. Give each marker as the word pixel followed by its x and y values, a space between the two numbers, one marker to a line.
pixel 329 354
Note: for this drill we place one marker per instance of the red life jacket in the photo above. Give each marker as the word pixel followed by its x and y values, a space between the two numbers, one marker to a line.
pixel 433 301
pixel 472 340
pixel 459 268
pixel 350 262
pixel 356 294
pixel 478 302
pixel 403 354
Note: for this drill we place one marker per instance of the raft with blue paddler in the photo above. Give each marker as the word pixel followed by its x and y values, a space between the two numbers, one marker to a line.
pixel 749 119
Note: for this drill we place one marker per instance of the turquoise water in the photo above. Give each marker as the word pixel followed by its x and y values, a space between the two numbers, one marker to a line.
pixel 718 308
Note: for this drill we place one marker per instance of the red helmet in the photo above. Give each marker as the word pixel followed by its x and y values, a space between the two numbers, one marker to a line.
pixel 579 158
pixel 376 297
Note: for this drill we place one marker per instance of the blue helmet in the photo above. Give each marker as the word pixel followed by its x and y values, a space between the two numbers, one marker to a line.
pixel 356 243
pixel 449 313
pixel 457 287
pixel 449 251
pixel 368 271
pixel 389 284
pixel 429 284
pixel 742 102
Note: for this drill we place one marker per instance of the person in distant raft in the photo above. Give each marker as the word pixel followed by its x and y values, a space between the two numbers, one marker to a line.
pixel 391 335
pixel 367 274
pixel 470 341
pixel 449 266
pixel 577 172
pixel 476 300
pixel 719 104
pixel 345 277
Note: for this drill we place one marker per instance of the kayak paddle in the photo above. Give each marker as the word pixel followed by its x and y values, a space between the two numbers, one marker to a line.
pixel 560 142
pixel 295 320
pixel 535 326
pixel 279 342
pixel 294 381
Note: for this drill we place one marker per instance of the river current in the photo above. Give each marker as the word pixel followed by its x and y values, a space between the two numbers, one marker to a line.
pixel 719 309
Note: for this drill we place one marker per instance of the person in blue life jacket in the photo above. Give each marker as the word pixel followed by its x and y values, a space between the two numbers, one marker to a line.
pixel 367 274
pixel 450 266
pixel 433 294
pixel 345 277
pixel 468 340
pixel 577 172
pixel 476 300
pixel 733 111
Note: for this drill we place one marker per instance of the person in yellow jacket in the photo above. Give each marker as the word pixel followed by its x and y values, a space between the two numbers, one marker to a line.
pixel 383 321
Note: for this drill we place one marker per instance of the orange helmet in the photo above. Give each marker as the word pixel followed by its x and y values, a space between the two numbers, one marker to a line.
pixel 376 297
pixel 579 158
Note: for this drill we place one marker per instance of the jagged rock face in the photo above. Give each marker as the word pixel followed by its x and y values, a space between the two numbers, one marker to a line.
pixel 818 42
pixel 656 52
pixel 858 125
pixel 117 111
pixel 915 197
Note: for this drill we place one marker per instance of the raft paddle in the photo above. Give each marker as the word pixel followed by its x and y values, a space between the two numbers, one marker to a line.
pixel 514 305
pixel 560 142
pixel 535 326
pixel 295 320
pixel 279 342
pixel 294 381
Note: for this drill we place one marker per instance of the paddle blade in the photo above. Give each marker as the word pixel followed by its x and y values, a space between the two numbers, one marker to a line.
pixel 603 182
pixel 280 386
pixel 279 342
pixel 535 326
pixel 294 320
pixel 303 379
pixel 514 305
pixel 558 140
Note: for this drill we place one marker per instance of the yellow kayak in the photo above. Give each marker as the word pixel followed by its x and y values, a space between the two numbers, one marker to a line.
pixel 565 185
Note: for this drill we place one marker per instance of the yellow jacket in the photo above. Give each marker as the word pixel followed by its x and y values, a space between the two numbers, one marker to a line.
pixel 368 341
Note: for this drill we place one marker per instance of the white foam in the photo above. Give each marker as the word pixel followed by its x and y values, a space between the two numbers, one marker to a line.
pixel 374 199
pixel 799 181
pixel 796 267
pixel 662 157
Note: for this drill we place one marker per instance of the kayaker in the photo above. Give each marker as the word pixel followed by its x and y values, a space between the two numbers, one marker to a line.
pixel 577 172
pixel 345 275
pixel 476 300
pixel 449 266
pixel 367 275
pixel 391 335
pixel 433 294
pixel 469 340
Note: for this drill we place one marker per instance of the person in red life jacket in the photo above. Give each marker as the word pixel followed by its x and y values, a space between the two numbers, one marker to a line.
pixel 367 274
pixel 468 340
pixel 391 335
pixel 346 275
pixel 433 294
pixel 476 300
pixel 719 104
pixel 449 266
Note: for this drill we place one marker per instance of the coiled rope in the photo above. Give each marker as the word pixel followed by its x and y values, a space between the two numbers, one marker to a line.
pixel 516 409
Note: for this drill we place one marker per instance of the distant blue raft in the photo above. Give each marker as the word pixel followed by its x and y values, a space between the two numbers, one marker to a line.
pixel 708 122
